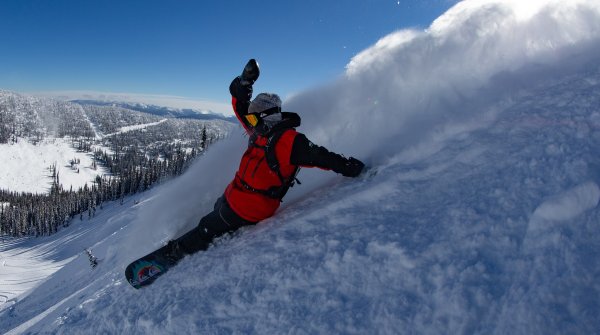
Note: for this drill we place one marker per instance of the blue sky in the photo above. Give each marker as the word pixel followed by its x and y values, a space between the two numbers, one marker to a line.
pixel 191 48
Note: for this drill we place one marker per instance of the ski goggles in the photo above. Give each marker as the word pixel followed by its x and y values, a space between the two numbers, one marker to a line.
pixel 252 119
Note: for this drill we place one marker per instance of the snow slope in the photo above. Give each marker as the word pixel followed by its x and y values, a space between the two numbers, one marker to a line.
pixel 480 215
pixel 26 167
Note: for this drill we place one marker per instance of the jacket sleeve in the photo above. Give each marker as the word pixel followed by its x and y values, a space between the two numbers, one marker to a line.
pixel 240 101
pixel 307 154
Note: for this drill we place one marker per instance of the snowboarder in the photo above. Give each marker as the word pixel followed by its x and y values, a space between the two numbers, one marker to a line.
pixel 267 169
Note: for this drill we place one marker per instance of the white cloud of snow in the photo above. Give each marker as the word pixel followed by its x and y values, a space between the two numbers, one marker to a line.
pixel 412 83
pixel 569 204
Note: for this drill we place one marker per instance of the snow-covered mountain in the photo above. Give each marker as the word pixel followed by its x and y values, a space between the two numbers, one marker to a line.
pixel 37 118
pixel 36 133
pixel 479 214
pixel 39 132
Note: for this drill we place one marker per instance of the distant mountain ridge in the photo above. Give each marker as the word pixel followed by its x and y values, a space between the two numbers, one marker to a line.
pixel 181 113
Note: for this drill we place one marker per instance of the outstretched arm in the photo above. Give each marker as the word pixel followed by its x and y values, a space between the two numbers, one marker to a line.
pixel 241 92
pixel 307 154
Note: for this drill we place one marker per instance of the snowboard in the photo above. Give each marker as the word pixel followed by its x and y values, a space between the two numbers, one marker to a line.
pixel 145 270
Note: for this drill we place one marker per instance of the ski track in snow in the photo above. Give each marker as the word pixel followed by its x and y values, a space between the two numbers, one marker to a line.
pixel 97 133
pixel 135 127
pixel 480 215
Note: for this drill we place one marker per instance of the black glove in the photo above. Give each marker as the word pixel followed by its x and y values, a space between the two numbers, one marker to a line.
pixel 250 73
pixel 239 91
pixel 352 168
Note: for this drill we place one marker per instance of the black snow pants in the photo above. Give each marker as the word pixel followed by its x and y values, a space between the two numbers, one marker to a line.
pixel 220 221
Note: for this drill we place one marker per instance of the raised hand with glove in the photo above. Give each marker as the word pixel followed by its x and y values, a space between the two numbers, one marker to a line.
pixel 241 86
pixel 241 92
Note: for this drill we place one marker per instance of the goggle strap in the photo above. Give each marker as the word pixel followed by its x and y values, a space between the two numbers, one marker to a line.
pixel 270 111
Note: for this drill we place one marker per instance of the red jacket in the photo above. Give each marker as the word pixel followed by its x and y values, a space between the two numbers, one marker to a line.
pixel 254 175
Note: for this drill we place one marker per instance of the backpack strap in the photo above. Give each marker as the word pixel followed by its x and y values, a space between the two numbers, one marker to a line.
pixel 271 156
pixel 277 192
